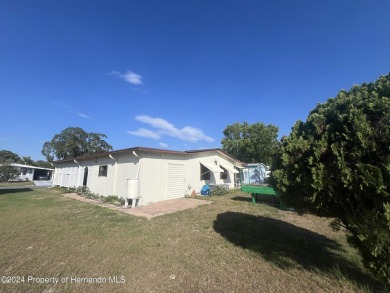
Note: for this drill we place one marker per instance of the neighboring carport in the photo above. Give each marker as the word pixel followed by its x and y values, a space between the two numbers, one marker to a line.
pixel 28 172
pixel 42 174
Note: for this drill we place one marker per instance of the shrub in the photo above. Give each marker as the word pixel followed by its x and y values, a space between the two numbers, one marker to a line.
pixel 337 164
pixel 114 199
pixel 81 190
pixel 219 190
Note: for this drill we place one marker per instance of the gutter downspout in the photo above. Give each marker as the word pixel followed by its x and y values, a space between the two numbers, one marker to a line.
pixel 137 177
pixel 116 167
pixel 139 164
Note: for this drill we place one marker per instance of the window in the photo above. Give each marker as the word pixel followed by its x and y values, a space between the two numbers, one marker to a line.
pixel 103 171
pixel 224 174
pixel 204 173
pixel 24 172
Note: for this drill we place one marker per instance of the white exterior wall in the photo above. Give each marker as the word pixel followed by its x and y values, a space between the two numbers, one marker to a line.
pixel 156 183
pixel 66 175
pixel 194 170
pixel 126 168
pixel 119 169
pixel 101 184
pixel 154 175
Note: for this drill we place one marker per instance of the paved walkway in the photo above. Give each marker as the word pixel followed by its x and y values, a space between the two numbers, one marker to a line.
pixel 149 211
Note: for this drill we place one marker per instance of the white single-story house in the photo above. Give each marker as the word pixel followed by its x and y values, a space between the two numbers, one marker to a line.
pixel 148 174
pixel 27 172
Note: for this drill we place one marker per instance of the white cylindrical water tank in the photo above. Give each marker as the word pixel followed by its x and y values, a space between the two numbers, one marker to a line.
pixel 132 188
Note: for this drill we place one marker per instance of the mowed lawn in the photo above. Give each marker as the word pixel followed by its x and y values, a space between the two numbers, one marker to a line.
pixel 228 246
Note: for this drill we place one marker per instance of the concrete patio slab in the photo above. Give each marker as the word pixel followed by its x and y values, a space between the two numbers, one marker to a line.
pixel 149 211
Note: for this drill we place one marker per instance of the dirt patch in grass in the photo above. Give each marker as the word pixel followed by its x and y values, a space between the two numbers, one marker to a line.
pixel 229 246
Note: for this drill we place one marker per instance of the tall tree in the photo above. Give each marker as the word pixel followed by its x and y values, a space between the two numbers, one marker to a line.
pixel 251 143
pixel 337 164
pixel 9 156
pixel 73 142
pixel 7 171
pixel 43 164
pixel 27 161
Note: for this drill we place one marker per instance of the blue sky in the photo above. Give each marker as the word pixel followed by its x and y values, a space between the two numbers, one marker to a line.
pixel 174 74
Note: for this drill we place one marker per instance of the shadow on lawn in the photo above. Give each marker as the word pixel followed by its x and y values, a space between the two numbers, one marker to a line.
pixel 242 198
pixel 13 190
pixel 287 245
pixel 263 198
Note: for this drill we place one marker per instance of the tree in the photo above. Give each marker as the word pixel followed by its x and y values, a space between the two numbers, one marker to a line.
pixel 251 143
pixel 73 142
pixel 27 161
pixel 43 164
pixel 7 171
pixel 9 156
pixel 337 164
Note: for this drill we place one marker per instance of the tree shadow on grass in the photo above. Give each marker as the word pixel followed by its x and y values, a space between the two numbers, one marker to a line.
pixel 260 198
pixel 287 245
pixel 13 190
pixel 242 198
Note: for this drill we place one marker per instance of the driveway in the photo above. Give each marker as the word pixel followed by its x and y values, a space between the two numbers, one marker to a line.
pixel 37 183
pixel 43 183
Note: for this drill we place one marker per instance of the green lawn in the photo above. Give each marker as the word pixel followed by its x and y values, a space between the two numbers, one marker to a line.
pixel 229 246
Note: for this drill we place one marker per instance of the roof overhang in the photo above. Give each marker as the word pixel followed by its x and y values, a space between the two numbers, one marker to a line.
pixel 150 150
pixel 29 167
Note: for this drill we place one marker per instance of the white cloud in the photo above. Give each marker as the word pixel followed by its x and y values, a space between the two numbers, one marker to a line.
pixel 163 145
pixel 163 127
pixel 145 133
pixel 82 115
pixel 194 134
pixel 129 76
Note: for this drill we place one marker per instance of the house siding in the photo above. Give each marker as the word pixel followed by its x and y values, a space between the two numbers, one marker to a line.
pixel 153 173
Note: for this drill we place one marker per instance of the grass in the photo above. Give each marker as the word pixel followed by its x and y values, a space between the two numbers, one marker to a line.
pixel 228 246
